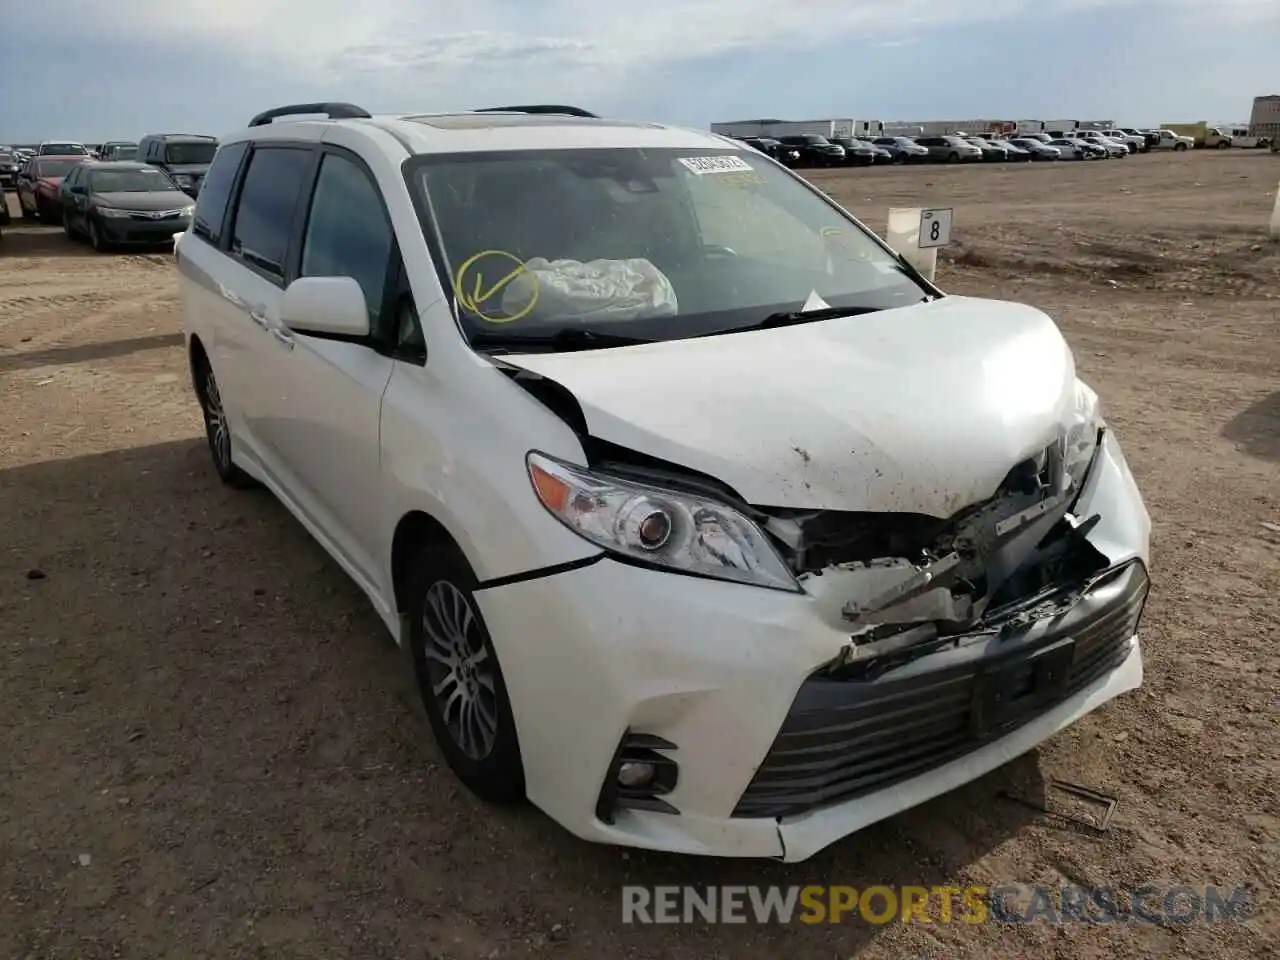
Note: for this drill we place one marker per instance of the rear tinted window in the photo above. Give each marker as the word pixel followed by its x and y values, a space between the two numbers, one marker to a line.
pixel 179 153
pixel 268 199
pixel 216 191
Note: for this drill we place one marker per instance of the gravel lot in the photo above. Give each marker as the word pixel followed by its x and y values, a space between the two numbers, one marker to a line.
pixel 209 748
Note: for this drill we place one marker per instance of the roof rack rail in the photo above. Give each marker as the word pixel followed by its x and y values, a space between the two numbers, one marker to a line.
pixel 334 111
pixel 544 108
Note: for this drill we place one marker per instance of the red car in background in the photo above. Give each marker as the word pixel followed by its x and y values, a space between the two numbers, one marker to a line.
pixel 38 184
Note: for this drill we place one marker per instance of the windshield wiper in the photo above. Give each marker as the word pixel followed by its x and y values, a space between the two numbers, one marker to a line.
pixel 790 317
pixel 569 338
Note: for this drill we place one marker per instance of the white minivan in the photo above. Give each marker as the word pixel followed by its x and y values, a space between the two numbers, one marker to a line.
pixel 711 525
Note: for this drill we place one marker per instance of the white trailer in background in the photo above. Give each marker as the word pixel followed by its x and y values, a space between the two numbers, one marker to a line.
pixel 1028 126
pixel 1064 125
pixel 742 128
pixel 899 128
pixel 785 128
pixel 1095 124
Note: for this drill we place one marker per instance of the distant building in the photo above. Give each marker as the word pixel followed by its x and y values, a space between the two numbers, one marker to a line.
pixel 1265 119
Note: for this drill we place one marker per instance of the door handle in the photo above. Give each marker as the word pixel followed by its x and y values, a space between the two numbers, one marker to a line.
pixel 284 338
pixel 259 318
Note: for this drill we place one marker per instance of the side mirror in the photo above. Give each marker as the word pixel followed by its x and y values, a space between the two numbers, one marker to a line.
pixel 325 305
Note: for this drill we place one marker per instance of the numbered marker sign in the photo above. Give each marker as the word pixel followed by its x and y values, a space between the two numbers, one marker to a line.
pixel 935 228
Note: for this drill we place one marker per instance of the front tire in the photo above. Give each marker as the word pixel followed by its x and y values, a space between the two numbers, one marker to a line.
pixel 459 678
pixel 96 239
pixel 1179 146
pixel 217 429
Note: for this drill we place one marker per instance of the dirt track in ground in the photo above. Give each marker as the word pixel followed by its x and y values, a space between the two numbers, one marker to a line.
pixel 194 697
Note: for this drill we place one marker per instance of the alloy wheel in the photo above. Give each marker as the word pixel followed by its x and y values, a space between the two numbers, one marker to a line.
pixel 215 423
pixel 460 670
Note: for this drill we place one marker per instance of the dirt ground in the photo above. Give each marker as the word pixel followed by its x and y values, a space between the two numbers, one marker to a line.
pixel 208 748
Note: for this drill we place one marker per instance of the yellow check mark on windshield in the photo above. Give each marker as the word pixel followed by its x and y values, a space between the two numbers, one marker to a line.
pixel 480 295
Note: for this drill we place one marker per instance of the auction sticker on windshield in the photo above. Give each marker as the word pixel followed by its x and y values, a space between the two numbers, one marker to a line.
pixel 702 165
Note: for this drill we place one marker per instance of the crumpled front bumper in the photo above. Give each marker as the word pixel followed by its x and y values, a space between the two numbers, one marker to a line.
pixel 728 675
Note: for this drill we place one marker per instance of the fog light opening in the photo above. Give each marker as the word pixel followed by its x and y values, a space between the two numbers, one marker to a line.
pixel 636 774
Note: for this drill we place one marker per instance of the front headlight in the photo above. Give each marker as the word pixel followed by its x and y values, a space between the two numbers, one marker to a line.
pixel 663 528
pixel 112 212
pixel 1081 440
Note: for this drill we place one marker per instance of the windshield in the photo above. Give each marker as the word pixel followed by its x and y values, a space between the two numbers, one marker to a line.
pixel 129 181
pixel 657 244
pixel 53 169
pixel 190 152
pixel 64 149
pixel 121 152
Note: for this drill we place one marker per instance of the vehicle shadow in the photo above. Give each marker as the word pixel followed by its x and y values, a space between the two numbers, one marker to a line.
pixel 1256 430
pixel 88 351
pixel 25 239
pixel 191 651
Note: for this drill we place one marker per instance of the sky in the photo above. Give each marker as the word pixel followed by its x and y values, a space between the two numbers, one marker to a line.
pixel 92 70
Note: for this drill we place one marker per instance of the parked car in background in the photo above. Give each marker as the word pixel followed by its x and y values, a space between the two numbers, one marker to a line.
pixel 1035 135
pixel 815 150
pixel 4 213
pixel 1036 149
pixel 1168 140
pixel 1135 142
pixel 118 150
pixel 38 183
pixel 1149 137
pixel 858 153
pixel 122 202
pixel 9 165
pixel 1012 151
pixel 949 148
pixel 1240 137
pixel 990 152
pixel 902 149
pixel 787 156
pixel 1113 148
pixel 1070 148
pixel 184 156
pixel 62 148
pixel 879 153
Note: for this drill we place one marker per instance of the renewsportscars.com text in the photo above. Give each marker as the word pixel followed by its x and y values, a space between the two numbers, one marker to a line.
pixel 1011 903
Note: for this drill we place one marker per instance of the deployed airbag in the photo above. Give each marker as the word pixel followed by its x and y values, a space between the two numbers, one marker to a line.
pixel 598 290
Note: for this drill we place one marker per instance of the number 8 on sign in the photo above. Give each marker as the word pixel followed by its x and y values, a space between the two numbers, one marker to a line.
pixel 935 228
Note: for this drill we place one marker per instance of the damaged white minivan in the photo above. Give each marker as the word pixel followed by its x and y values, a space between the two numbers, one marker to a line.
pixel 711 525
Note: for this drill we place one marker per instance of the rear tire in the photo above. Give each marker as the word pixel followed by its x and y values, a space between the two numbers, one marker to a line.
pixel 459 678
pixel 217 430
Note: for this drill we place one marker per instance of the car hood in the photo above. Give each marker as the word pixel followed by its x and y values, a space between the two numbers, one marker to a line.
pixel 166 200
pixel 919 409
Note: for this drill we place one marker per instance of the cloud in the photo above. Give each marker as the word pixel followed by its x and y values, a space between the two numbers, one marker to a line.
pixel 506 44
pixel 211 61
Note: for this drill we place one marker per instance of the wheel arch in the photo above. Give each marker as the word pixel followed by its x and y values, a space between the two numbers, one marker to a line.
pixel 196 355
pixel 414 531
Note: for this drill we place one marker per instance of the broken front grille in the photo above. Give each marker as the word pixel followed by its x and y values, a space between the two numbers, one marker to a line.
pixel 847 737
